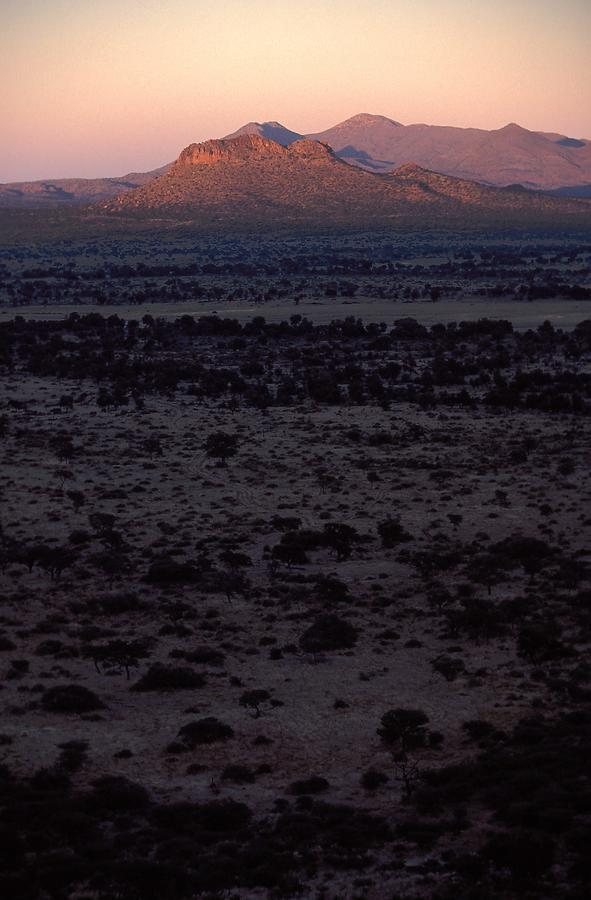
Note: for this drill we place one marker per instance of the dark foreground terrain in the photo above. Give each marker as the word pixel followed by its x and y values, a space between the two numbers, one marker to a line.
pixel 295 609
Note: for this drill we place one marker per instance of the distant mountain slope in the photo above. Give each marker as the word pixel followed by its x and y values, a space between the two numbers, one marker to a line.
pixel 252 180
pixel 363 140
pixel 509 155
pixel 55 192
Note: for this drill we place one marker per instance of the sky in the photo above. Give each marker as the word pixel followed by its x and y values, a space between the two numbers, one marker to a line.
pixel 92 88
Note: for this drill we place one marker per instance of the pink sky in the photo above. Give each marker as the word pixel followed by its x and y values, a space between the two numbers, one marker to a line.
pixel 104 87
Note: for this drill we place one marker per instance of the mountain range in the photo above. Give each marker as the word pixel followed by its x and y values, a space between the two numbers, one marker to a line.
pixel 507 156
pixel 252 181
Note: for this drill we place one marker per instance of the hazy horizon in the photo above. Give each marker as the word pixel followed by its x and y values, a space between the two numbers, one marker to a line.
pixel 93 91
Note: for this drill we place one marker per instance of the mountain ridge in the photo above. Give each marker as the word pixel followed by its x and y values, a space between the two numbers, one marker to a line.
pixel 254 180
pixel 505 156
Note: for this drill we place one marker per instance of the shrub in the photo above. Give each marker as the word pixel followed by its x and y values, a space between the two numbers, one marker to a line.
pixel 169 678
pixel 392 532
pixel 448 666
pixel 238 774
pixel 205 656
pixel 313 785
pixel 70 698
pixel 165 572
pixel 477 729
pixel 328 632
pixel 49 647
pixel 6 644
pixel 205 731
pixel 525 853
pixel 117 794
pixel 372 779
pixel 253 700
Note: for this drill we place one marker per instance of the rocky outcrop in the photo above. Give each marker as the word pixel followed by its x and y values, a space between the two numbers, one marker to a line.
pixel 244 147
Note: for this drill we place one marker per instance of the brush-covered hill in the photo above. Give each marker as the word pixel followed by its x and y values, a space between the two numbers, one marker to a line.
pixel 251 180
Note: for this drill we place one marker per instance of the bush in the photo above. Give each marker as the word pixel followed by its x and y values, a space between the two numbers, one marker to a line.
pixel 392 533
pixel 253 700
pixel 526 854
pixel 448 666
pixel 70 698
pixel 168 678
pixel 117 794
pixel 328 632
pixel 372 779
pixel 404 726
pixel 477 729
pixel 6 644
pixel 165 572
pixel 221 446
pixel 206 656
pixel 49 647
pixel 218 816
pixel 205 731
pixel 313 785
pixel 238 774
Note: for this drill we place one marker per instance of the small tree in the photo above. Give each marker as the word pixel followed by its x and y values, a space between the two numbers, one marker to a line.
pixel 221 446
pixel 339 537
pixel 407 771
pixel 405 727
pixel 404 730
pixel 290 554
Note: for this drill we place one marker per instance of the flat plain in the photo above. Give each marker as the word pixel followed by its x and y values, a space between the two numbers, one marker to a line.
pixel 292 601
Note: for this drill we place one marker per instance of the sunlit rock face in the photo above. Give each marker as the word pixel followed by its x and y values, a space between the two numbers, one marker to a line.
pixel 244 147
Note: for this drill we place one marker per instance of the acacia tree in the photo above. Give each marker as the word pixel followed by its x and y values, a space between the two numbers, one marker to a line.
pixel 120 654
pixel 404 730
